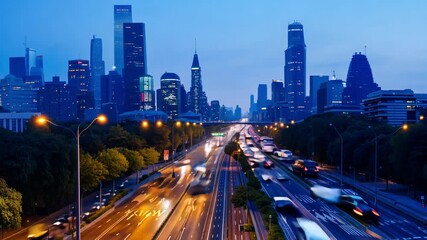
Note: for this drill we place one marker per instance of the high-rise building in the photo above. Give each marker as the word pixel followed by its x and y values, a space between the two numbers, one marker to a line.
pixel 30 60
pixel 122 14
pixel 395 107
pixel 79 82
pixel 360 81
pixel 55 100
pixel 295 71
pixel 17 66
pixel 97 69
pixel 184 101
pixel 17 96
pixel 112 90
pixel 196 90
pixel 262 96
pixel 215 110
pixel 135 63
pixel 315 82
pixel 170 95
pixel 329 95
pixel 277 91
pixel 238 113
pixel 146 87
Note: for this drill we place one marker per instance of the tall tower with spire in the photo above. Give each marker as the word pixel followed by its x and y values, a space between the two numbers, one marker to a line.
pixel 196 90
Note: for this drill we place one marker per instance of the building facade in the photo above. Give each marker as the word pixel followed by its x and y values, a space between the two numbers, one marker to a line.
pixel 360 81
pixel 79 83
pixel 295 71
pixel 315 82
pixel 148 98
pixel 170 95
pixel 97 69
pixel 122 14
pixel 135 63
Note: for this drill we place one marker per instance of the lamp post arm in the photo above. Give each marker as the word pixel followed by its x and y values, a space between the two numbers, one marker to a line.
pixel 60 126
pixel 82 131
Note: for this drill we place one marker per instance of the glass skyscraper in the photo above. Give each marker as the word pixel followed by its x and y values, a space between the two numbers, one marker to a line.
pixel 170 95
pixel 97 69
pixel 79 81
pixel 196 90
pixel 122 14
pixel 360 81
pixel 315 82
pixel 295 71
pixel 135 63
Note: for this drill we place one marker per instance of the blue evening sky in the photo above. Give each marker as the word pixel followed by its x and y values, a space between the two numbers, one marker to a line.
pixel 240 43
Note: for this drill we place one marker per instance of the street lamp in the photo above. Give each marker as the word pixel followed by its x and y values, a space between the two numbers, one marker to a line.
pixel 177 124
pixel 341 164
pixel 41 120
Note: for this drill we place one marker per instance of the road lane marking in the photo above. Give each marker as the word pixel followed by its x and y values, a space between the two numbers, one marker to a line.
pixel 108 220
pixel 127 236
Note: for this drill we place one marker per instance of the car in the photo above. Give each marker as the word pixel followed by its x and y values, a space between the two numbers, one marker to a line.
pixel 356 205
pixel 268 148
pixel 266 177
pixel 281 177
pixel 283 153
pixel 305 168
pixel 331 195
pixel 309 230
pixel 286 206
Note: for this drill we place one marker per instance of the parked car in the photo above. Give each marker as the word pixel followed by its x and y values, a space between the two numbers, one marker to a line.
pixel 305 168
pixel 358 206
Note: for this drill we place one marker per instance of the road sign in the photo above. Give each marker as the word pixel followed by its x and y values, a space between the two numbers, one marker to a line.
pixel 217 134
pixel 166 155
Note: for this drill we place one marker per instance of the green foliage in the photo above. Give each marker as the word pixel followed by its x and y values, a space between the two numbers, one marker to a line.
pixel 118 137
pixel 10 206
pixel 135 159
pixel 150 155
pixel 239 197
pixel 91 172
pixel 114 161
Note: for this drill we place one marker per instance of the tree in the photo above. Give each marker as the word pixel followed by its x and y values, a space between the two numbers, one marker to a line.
pixel 150 155
pixel 239 197
pixel 91 173
pixel 115 163
pixel 10 206
pixel 134 158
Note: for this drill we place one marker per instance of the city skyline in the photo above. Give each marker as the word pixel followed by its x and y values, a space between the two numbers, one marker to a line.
pixel 229 57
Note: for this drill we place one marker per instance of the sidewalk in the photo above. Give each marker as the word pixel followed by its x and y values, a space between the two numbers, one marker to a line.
pixel 398 200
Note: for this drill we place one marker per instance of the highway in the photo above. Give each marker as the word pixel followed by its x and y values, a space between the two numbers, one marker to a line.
pixel 142 215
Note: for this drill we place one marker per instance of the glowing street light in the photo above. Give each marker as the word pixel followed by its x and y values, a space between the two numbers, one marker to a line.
pixel 42 120
pixel 145 124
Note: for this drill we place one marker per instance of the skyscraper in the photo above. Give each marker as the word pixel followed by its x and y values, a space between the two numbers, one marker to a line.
pixel 97 69
pixel 262 96
pixel 17 96
pixel 184 102
pixel 295 70
pixel 196 90
pixel 17 66
pixel 55 100
pixel 122 14
pixel 170 90
pixel 112 90
pixel 215 110
pixel 146 87
pixel 315 82
pixel 360 81
pixel 79 80
pixel 329 94
pixel 277 91
pixel 30 60
pixel 135 63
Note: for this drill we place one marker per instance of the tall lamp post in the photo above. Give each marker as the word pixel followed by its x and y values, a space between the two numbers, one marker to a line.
pixel 177 124
pixel 341 164
pixel 102 119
